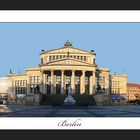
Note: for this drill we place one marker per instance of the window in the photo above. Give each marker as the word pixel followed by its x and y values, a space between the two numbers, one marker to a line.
pixel 85 59
pixel 87 80
pixel 53 57
pixel 41 60
pixel 48 78
pixel 103 79
pixel 81 57
pixel 50 58
pixel 57 57
pixel 94 61
pixel 70 56
pixel 77 79
pixel 31 79
pixel 60 56
pixel 68 78
pixel 77 57
pixel 35 79
pixel 25 82
pixel 15 83
pixel 38 79
pixel 21 83
pixel 74 56
pixel 18 83
pixel 64 56
pixel 58 78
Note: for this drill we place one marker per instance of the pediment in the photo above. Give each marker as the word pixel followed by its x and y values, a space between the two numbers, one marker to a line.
pixel 68 62
pixel 71 50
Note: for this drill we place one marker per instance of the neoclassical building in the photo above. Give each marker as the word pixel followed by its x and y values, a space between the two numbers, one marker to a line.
pixel 60 68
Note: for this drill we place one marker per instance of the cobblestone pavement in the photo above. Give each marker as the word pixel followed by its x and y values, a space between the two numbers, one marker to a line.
pixel 91 111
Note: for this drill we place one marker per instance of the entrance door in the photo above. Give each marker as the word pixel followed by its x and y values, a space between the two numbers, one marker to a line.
pixel 77 89
pixel 87 85
pixel 77 85
pixel 48 88
pixel 67 85
pixel 58 89
pixel 87 88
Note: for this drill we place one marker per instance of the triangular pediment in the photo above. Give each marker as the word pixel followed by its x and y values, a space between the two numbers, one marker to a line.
pixel 71 50
pixel 68 62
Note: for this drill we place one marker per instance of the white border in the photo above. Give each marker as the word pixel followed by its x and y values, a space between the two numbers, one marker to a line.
pixel 69 16
pixel 86 123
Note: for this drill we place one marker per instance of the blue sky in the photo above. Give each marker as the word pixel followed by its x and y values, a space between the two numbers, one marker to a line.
pixel 117 45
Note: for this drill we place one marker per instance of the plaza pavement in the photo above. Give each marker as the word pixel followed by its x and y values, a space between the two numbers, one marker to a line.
pixel 91 111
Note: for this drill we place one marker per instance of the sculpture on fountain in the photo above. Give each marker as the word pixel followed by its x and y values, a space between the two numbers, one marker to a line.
pixel 69 101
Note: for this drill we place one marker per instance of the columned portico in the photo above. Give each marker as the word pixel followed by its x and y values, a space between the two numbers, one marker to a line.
pixel 81 81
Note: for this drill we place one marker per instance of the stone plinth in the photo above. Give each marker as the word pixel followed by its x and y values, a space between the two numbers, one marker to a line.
pixel 32 99
pixel 20 101
pixel 102 99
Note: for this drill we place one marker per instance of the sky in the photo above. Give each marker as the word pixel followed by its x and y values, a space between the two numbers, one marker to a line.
pixel 117 45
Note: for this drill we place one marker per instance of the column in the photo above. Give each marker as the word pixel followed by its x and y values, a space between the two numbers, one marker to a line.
pixel 62 82
pixel 52 82
pixel 73 82
pixel 91 84
pixel 28 84
pixel 82 83
pixel 44 83
pixel 41 82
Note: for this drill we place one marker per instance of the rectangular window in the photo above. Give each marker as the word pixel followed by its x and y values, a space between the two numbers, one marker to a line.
pixel 77 57
pixel 35 79
pixel 85 59
pixel 87 80
pixel 74 56
pixel 56 56
pixel 48 78
pixel 68 78
pixel 25 83
pixel 60 56
pixel 15 83
pixel 77 79
pixel 58 78
pixel 18 83
pixel 81 57
pixel 31 79
pixel 38 79
pixel 50 58
pixel 53 57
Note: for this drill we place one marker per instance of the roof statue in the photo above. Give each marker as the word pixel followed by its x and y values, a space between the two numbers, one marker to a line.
pixel 10 72
pixel 68 44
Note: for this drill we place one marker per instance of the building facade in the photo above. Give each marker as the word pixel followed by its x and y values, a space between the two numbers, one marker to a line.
pixel 133 91
pixel 64 67
pixel 118 84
